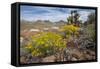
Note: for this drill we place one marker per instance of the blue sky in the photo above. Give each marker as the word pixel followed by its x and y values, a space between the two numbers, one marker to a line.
pixel 33 13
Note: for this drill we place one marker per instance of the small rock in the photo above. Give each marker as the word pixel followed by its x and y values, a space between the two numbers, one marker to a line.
pixel 74 59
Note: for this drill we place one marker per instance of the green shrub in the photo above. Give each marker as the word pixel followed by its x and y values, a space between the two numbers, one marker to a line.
pixel 45 44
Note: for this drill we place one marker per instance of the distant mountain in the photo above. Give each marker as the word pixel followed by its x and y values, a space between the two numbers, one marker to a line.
pixel 40 24
pixel 35 24
pixel 61 21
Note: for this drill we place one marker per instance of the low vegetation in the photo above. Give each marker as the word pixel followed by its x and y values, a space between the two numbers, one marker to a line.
pixel 73 41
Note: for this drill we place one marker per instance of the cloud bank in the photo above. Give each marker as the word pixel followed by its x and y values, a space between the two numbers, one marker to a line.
pixel 34 13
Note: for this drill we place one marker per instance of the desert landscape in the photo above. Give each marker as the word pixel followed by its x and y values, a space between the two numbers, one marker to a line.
pixel 45 40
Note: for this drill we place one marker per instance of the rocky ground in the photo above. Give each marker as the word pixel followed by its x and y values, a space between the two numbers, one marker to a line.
pixel 72 54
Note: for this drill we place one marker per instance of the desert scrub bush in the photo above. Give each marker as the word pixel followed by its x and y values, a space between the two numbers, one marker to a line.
pixel 45 44
pixel 24 51
pixel 69 30
pixel 90 31
pixel 87 40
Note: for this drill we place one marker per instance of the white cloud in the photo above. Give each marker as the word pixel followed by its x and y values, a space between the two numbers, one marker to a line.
pixel 51 13
pixel 84 14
